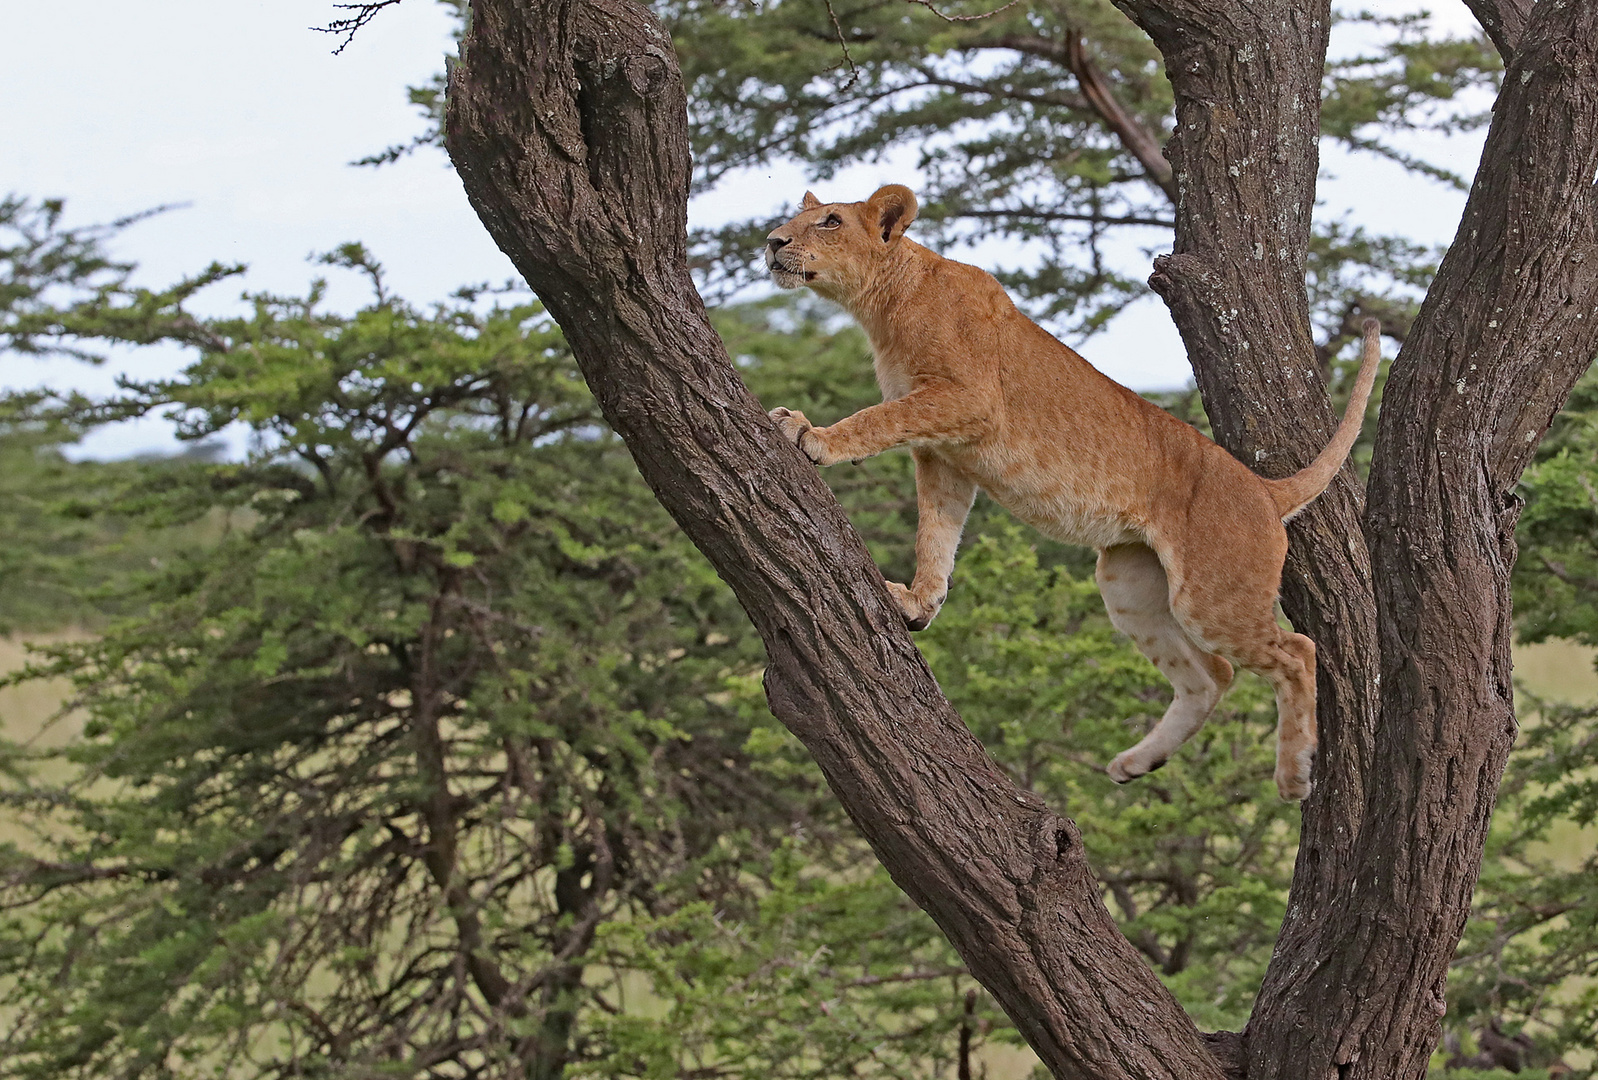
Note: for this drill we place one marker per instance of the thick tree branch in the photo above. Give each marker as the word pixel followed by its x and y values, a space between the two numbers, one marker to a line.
pixel 1247 82
pixel 1505 330
pixel 1504 21
pixel 1133 135
pixel 1072 54
pixel 567 123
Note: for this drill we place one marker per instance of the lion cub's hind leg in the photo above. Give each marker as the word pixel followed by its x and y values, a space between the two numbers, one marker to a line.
pixel 1288 661
pixel 1137 597
pixel 1231 607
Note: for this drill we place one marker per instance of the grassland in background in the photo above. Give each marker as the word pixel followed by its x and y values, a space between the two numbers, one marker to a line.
pixel 1558 670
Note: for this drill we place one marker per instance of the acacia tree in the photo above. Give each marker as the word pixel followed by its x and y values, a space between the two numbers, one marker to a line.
pixel 429 681
pixel 567 123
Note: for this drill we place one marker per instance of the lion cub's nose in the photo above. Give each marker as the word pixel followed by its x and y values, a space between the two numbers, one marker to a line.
pixel 775 243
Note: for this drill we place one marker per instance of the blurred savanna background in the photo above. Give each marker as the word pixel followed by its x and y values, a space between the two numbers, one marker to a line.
pixel 372 719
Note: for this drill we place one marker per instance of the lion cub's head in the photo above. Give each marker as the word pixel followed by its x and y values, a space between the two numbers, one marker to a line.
pixel 834 247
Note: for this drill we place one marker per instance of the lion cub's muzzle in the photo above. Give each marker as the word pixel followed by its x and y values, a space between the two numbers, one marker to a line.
pixel 784 266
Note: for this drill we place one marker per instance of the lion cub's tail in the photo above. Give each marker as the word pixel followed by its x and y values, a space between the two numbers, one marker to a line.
pixel 1295 492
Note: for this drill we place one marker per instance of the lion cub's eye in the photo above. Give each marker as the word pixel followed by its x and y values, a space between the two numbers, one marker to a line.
pixel 832 222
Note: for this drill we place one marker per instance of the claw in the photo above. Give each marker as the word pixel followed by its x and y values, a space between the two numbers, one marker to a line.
pixel 794 426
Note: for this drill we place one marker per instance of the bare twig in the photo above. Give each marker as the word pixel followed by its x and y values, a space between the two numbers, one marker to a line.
pixel 963 18
pixel 854 72
pixel 843 42
pixel 364 13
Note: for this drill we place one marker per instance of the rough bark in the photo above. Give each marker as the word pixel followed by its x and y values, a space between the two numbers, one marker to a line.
pixel 567 123
pixel 1504 21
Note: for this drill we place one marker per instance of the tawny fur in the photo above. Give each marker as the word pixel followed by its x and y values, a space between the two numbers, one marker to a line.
pixel 1190 541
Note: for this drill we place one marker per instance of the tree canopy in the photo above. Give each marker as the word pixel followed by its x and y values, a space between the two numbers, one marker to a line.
pixel 421 741
pixel 1402 581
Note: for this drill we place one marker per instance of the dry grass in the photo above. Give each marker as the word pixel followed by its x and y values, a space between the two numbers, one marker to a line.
pixel 25 711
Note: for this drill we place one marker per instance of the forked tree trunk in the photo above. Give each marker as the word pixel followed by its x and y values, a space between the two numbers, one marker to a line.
pixel 566 121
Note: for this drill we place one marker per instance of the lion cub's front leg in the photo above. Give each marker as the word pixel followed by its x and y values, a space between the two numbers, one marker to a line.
pixel 936 412
pixel 943 501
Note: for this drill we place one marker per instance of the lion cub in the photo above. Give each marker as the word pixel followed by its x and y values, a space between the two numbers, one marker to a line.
pixel 1190 540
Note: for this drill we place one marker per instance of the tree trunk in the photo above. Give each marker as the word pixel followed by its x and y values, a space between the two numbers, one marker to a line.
pixel 566 120
pixel 1505 330
pixel 1356 986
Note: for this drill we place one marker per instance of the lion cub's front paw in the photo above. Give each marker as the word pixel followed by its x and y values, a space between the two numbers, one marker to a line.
pixel 917 614
pixel 799 431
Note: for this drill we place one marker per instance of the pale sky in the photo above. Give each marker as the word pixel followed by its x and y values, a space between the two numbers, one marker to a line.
pixel 239 109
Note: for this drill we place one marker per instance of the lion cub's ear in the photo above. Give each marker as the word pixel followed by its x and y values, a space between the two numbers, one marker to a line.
pixel 809 202
pixel 893 208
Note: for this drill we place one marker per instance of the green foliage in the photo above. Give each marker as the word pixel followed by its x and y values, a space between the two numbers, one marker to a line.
pixel 49 544
pixel 39 260
pixel 1530 953
pixel 825 975
pixel 58 288
pixel 1556 577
